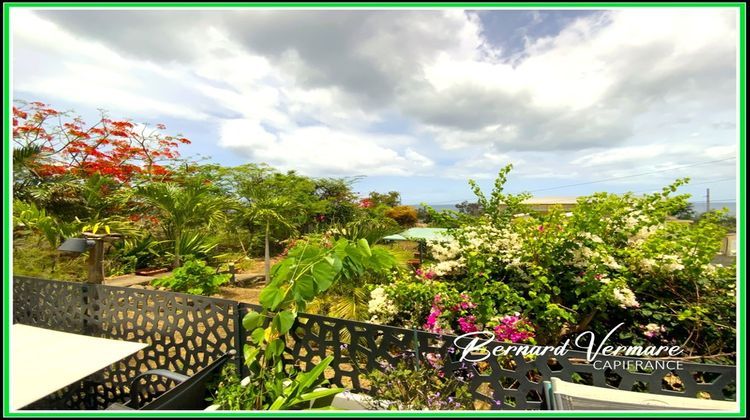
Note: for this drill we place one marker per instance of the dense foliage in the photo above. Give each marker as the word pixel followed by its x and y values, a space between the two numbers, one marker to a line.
pixel 542 277
pixel 194 278
pixel 309 270
pixel 530 277
pixel 407 386
pixel 129 178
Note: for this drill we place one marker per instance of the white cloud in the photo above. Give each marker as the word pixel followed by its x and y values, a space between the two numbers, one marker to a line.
pixel 86 72
pixel 620 155
pixel 405 92
pixel 319 150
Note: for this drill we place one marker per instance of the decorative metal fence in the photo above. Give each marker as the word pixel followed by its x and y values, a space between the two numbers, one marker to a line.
pixel 186 332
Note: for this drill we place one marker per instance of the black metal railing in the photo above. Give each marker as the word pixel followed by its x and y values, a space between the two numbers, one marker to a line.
pixel 185 333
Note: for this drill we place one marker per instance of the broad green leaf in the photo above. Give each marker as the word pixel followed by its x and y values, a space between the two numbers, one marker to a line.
pixel 364 246
pixel 252 320
pixel 308 379
pixel 323 273
pixel 283 321
pixel 321 393
pixel 250 353
pixel 258 335
pixel 305 287
pixel 281 270
pixel 278 404
pixel 275 347
pixel 270 297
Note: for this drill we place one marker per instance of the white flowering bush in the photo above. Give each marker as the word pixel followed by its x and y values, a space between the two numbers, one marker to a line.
pixel 381 307
pixel 612 259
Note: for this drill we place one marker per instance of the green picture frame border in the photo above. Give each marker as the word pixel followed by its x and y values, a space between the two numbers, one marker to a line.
pixel 8 191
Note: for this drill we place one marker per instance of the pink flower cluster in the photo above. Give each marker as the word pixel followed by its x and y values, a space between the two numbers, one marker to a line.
pixel 465 303
pixel 514 329
pixel 468 323
pixel 432 319
pixel 428 275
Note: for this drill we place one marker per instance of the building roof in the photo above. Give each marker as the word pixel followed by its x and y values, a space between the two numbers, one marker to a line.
pixel 419 234
pixel 552 200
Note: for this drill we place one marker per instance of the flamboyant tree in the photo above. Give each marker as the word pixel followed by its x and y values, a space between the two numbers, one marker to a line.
pixel 50 143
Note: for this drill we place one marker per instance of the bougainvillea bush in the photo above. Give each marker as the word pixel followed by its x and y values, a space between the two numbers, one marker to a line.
pixel 612 259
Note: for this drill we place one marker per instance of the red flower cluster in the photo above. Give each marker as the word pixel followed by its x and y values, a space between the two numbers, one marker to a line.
pixel 116 148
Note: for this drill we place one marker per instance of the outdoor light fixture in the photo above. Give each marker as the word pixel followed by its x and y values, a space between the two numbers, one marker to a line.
pixel 77 245
pixel 95 245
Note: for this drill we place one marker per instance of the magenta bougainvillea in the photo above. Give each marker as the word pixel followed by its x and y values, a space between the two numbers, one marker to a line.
pixel 514 329
pixel 452 315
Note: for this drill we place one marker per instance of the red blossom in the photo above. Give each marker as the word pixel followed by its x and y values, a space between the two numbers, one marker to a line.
pixel 108 147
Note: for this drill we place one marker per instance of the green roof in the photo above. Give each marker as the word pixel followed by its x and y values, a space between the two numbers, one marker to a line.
pixel 419 234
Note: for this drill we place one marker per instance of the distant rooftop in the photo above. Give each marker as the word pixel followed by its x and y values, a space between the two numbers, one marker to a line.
pixel 552 200
pixel 418 234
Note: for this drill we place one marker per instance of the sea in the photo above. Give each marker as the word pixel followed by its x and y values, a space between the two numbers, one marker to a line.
pixel 699 207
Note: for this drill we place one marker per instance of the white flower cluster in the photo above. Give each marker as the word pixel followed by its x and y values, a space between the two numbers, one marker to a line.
pixel 444 250
pixel 671 263
pixel 663 263
pixel 648 265
pixel 591 237
pixel 584 257
pixel 654 330
pixel 634 219
pixel 710 270
pixel 642 235
pixel 381 307
pixel 501 245
pixel 444 268
pixel 610 262
pixel 626 297
pixel 334 231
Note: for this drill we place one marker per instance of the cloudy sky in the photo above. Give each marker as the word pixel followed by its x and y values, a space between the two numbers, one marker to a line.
pixel 418 101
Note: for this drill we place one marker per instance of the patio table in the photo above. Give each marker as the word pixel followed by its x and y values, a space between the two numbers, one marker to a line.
pixel 43 361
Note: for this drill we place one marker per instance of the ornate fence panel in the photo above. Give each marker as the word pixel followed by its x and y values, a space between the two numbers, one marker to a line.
pixel 502 382
pixel 48 304
pixel 186 332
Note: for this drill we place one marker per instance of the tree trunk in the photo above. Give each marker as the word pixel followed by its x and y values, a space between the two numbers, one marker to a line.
pixel 96 266
pixel 268 255
pixel 176 261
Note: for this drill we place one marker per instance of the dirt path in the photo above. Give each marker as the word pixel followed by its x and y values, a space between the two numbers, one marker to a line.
pixel 132 279
pixel 241 294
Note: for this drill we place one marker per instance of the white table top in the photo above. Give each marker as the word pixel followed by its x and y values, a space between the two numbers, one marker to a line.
pixel 43 361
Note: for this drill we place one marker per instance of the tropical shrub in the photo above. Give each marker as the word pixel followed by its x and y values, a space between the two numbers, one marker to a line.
pixel 184 213
pixel 405 216
pixel 193 277
pixel 308 270
pixel 361 267
pixel 406 386
pixel 404 299
pixel 612 259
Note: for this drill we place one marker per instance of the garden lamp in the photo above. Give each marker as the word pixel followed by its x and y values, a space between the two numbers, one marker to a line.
pixel 76 245
pixel 95 245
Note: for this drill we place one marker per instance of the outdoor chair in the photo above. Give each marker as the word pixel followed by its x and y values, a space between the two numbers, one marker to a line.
pixel 561 395
pixel 189 393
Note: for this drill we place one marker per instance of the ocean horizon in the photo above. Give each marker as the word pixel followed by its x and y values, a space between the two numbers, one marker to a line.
pixel 698 207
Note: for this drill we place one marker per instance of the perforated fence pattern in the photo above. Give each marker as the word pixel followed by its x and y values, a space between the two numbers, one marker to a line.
pixel 185 333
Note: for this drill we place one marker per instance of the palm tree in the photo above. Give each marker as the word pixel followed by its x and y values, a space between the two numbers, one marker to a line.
pixel 265 210
pixel 183 210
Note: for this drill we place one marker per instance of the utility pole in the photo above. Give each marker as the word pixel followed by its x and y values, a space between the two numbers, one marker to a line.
pixel 708 200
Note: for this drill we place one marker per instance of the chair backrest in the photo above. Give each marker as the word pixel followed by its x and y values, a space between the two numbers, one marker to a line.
pixel 190 394
pixel 569 396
